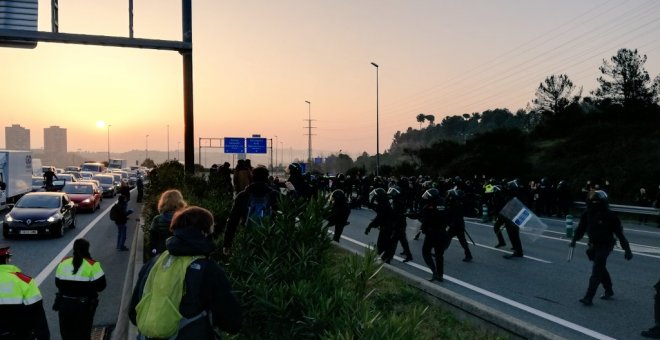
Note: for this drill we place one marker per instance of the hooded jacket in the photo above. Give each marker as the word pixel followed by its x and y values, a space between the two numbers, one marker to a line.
pixel 239 211
pixel 206 284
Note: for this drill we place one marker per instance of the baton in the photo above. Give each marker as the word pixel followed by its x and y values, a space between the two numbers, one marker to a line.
pixel 470 237
pixel 570 254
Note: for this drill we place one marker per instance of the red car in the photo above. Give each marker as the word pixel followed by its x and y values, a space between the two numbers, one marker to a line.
pixel 86 195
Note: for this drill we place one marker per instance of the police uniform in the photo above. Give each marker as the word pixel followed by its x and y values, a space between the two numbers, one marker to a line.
pixel 78 296
pixel 22 313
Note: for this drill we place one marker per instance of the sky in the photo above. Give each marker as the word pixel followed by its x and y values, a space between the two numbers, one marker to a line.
pixel 256 63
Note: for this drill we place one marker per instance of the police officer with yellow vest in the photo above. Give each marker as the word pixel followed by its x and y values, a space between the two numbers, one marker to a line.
pixel 22 313
pixel 78 279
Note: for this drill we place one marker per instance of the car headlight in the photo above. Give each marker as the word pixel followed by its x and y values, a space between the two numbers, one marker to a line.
pixel 8 218
pixel 54 218
pixel 86 200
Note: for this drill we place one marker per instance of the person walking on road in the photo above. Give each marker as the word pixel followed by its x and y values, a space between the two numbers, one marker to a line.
pixel 79 279
pixel 119 214
pixel 456 221
pixel 601 225
pixel 21 304
pixel 434 221
pixel 339 212
pixel 139 183
pixel 654 332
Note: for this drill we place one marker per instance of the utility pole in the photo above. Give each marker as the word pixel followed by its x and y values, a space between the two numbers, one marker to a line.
pixel 309 135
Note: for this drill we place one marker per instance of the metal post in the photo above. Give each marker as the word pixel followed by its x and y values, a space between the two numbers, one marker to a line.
pixel 377 125
pixel 309 135
pixel 271 156
pixel 109 143
pixel 189 122
pixel 146 150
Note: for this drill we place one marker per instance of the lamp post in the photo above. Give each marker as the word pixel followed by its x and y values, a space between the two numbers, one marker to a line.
pixel 168 142
pixel 377 127
pixel 146 150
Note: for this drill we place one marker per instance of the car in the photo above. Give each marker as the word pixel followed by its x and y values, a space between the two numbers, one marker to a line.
pixel 72 168
pixel 97 168
pixel 117 178
pixel 125 176
pixel 66 177
pixel 40 213
pixel 75 174
pixel 86 174
pixel 37 183
pixel 86 195
pixel 107 184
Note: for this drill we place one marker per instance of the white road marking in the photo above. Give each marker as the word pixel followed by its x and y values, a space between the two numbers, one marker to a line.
pixel 58 258
pixel 512 303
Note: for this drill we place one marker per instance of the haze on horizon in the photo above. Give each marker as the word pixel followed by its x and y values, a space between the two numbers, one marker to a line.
pixel 257 62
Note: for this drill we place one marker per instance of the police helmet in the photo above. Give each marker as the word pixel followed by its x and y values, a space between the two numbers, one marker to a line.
pixel 393 191
pixel 454 195
pixel 431 194
pixel 338 195
pixel 376 194
pixel 598 197
pixel 294 168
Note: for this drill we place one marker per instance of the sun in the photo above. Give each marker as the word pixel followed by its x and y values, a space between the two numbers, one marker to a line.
pixel 100 124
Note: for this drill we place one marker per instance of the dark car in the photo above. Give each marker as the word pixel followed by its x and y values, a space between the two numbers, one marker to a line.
pixel 40 213
pixel 107 185
pixel 85 195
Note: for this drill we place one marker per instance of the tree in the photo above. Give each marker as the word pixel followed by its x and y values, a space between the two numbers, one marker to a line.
pixel 430 118
pixel 420 119
pixel 555 94
pixel 625 81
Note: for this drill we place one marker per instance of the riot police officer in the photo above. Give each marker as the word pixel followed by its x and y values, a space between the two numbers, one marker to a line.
pixel 601 225
pixel 434 221
pixel 339 212
pixel 456 221
pixel 399 235
pixel 384 221
pixel 514 189
pixel 22 313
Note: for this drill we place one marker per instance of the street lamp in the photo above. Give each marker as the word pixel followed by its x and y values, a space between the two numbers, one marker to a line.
pixel 275 167
pixel 377 127
pixel 146 150
pixel 101 124
pixel 168 142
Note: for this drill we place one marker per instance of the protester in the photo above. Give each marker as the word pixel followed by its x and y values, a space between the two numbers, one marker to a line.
pixel 119 214
pixel 205 297
pixel 170 201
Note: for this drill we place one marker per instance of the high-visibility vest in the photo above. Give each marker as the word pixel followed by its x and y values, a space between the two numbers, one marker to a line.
pixel 17 288
pixel 89 270
pixel 488 188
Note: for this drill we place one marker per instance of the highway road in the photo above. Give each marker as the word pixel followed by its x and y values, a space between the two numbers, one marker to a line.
pixel 542 288
pixel 39 258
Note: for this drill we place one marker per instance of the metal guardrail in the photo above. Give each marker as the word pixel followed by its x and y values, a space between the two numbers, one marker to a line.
pixel 629 209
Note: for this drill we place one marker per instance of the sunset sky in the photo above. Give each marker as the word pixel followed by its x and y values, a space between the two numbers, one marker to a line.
pixel 257 62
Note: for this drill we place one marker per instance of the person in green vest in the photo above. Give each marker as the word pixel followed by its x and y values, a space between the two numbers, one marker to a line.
pixel 79 279
pixel 182 293
pixel 21 304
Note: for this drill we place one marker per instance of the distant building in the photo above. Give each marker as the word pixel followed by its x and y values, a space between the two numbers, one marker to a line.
pixel 17 138
pixel 55 141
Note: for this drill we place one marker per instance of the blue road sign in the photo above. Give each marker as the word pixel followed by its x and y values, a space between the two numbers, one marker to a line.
pixel 234 145
pixel 256 145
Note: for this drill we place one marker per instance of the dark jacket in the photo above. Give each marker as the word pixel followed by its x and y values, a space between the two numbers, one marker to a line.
pixel 339 212
pixel 159 231
pixel 239 211
pixel 122 216
pixel 601 225
pixel 206 284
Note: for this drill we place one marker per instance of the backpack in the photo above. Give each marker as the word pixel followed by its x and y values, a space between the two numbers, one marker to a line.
pixel 258 208
pixel 115 214
pixel 158 310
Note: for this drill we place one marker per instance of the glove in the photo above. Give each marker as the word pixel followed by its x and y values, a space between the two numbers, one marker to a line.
pixel 572 244
pixel 628 255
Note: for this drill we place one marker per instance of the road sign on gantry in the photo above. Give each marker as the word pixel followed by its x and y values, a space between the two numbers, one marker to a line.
pixel 256 145
pixel 18 15
pixel 234 145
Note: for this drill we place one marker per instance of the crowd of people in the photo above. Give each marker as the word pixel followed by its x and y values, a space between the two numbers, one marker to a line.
pixel 181 272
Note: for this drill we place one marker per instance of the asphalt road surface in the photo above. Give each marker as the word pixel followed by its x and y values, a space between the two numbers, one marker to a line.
pixel 542 288
pixel 39 258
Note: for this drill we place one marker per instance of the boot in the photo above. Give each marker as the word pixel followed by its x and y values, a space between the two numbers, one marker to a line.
pixel 607 294
pixel 653 333
pixel 586 301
